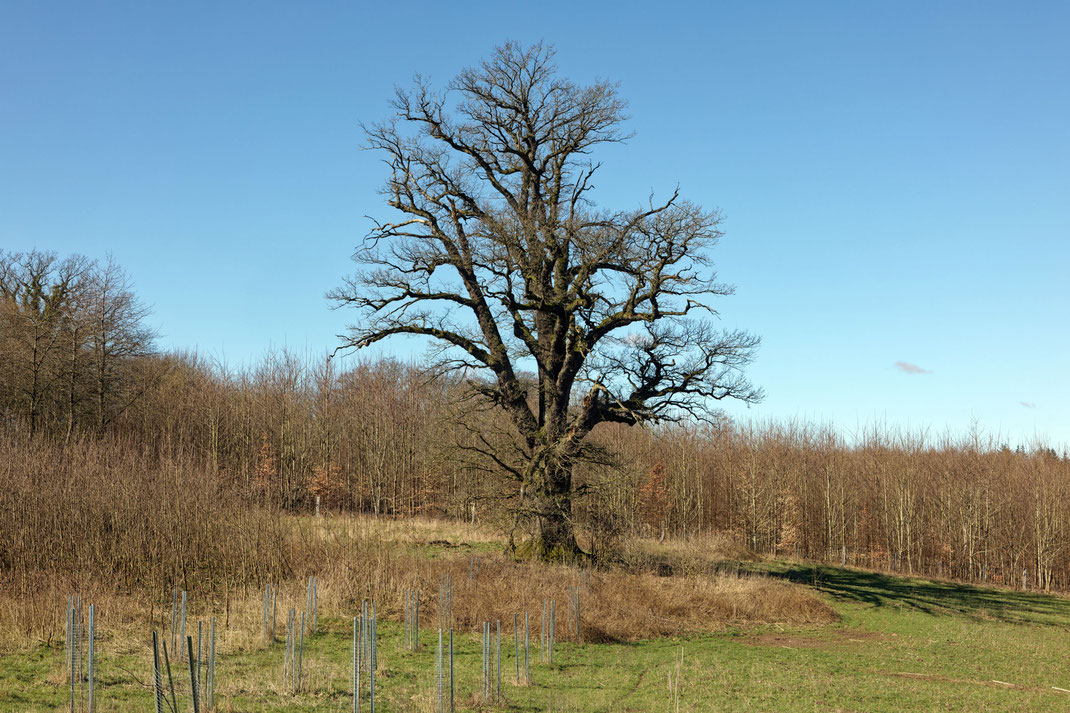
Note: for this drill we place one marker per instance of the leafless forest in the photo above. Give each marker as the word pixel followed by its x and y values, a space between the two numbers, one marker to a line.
pixel 121 462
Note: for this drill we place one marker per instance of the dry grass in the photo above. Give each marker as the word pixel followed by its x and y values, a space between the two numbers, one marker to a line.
pixel 621 605
pixel 359 558
pixel 705 553
pixel 417 530
pixel 376 559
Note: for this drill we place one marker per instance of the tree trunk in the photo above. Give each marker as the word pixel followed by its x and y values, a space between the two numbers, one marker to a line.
pixel 554 536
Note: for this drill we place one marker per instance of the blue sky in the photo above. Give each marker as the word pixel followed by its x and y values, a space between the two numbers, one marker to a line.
pixel 895 177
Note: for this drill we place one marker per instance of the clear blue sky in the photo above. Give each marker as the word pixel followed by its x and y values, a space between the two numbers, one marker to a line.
pixel 895 176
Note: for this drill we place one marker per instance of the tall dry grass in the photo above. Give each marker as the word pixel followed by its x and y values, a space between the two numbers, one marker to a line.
pixel 360 557
pixel 106 520
pixel 639 597
pixel 103 509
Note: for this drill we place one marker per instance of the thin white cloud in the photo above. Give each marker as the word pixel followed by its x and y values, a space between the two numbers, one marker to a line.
pixel 907 368
pixel 1027 404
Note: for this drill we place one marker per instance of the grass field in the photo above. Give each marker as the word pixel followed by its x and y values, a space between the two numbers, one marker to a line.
pixel 899 645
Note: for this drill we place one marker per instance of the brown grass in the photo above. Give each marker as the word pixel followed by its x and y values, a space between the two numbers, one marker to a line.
pixel 361 557
pixel 704 553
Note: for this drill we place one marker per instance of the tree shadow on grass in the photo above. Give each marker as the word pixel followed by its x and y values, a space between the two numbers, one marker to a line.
pixel 931 597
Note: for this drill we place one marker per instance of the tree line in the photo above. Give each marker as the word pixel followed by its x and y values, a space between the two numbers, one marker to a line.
pixel 967 508
pixel 80 372
pixel 71 332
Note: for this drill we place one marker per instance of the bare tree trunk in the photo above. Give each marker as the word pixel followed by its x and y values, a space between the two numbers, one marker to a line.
pixel 554 536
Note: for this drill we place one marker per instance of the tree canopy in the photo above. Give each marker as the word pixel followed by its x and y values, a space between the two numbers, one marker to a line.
pixel 500 256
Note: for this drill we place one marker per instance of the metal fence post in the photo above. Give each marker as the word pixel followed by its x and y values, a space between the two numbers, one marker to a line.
pixel 183 615
pixel 301 653
pixel 267 601
pixel 211 669
pixel 73 646
pixel 438 671
pixel 170 680
pixel 373 654
pixel 174 614
pixel 157 679
pixel 356 667
pixel 192 675
pixel 274 599
pixel 92 640
pixel 200 654
pixel 553 622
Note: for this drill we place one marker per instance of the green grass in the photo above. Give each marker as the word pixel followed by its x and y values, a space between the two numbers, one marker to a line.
pixel 902 645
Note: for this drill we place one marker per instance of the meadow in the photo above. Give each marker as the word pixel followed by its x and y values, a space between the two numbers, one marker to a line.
pixel 675 625
pixel 556 456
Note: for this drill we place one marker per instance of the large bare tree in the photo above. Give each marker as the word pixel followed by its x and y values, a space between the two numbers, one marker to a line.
pixel 501 258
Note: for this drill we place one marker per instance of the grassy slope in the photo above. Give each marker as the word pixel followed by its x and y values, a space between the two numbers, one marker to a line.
pixel 902 645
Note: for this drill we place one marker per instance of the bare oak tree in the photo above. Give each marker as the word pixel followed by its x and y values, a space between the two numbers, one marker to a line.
pixel 502 259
